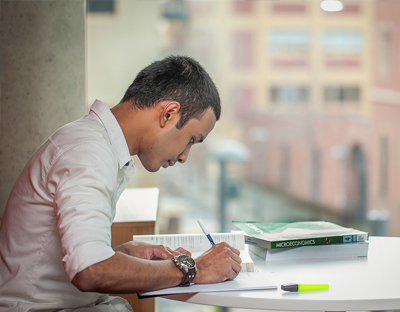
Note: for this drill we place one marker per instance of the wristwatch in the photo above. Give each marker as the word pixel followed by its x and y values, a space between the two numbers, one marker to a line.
pixel 188 267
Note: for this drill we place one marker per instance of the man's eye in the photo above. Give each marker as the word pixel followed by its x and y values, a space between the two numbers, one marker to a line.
pixel 191 141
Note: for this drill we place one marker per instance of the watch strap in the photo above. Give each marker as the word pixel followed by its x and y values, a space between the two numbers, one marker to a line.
pixel 188 277
pixel 189 273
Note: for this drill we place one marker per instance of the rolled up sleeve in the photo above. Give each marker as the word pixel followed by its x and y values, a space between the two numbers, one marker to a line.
pixel 82 181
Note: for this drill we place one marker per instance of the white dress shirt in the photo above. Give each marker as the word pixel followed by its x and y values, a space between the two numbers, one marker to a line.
pixel 58 217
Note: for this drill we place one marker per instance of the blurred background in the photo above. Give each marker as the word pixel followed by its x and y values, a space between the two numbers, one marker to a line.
pixel 310 98
pixel 310 102
pixel 310 95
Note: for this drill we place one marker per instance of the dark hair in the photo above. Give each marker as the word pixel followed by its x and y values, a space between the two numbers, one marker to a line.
pixel 175 78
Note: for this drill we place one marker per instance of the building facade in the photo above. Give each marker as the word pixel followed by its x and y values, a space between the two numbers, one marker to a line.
pixel 315 95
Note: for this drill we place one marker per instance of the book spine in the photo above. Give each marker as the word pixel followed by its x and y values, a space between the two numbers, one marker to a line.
pixel 247 267
pixel 259 251
pixel 256 242
pixel 346 239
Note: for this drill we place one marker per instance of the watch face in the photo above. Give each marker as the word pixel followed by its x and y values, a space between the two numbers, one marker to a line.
pixel 187 261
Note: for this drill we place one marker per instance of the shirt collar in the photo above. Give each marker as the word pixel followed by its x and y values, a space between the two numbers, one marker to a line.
pixel 114 131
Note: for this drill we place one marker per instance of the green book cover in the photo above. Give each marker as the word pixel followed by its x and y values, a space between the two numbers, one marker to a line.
pixel 274 235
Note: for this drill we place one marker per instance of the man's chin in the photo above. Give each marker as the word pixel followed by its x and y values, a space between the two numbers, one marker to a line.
pixel 150 168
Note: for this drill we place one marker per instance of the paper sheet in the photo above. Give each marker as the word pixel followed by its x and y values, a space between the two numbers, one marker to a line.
pixel 244 281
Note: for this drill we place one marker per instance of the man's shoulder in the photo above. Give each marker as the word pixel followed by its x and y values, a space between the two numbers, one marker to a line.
pixel 86 130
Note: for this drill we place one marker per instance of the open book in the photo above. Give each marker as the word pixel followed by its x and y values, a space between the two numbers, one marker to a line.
pixel 244 281
pixel 198 243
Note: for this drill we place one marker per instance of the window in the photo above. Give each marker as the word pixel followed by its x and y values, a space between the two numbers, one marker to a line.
pixel 243 6
pixel 292 8
pixel 285 168
pixel 342 41
pixel 340 63
pixel 385 49
pixel 315 173
pixel 100 6
pixel 384 165
pixel 341 94
pixel 243 50
pixel 243 96
pixel 288 40
pixel 243 99
pixel 289 95
pixel 348 9
pixel 174 10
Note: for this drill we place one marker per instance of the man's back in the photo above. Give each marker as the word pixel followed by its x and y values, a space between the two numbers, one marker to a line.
pixel 32 267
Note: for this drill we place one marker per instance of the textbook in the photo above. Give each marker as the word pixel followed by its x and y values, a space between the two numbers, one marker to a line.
pixel 244 281
pixel 274 235
pixel 334 251
pixel 198 243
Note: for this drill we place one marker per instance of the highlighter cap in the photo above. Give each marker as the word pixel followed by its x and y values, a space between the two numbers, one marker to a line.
pixel 304 287
pixel 290 287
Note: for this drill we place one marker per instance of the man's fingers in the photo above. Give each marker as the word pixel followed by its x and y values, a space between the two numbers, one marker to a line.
pixel 183 251
pixel 178 251
pixel 236 258
pixel 171 252
pixel 236 268
pixel 235 250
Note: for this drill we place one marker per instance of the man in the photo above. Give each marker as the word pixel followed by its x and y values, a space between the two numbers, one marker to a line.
pixel 55 235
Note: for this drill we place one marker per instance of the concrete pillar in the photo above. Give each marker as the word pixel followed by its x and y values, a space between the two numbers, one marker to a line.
pixel 42 78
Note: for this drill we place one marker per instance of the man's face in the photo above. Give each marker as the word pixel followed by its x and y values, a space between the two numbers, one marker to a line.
pixel 173 145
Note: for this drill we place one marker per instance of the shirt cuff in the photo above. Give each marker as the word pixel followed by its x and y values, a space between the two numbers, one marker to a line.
pixel 85 256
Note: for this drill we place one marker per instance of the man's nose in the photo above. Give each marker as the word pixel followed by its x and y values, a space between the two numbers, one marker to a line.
pixel 184 155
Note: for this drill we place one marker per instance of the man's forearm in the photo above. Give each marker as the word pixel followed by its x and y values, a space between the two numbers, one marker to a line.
pixel 125 274
pixel 129 271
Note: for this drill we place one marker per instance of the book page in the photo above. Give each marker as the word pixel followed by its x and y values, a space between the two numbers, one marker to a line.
pixel 193 242
pixel 244 281
pixel 198 243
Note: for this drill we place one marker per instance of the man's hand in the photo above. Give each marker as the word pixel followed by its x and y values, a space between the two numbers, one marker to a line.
pixel 220 263
pixel 131 271
pixel 150 251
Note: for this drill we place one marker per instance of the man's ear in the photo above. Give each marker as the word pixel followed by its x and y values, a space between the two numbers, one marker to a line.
pixel 170 113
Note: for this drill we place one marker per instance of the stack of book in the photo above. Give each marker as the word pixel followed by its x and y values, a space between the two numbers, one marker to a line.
pixel 303 240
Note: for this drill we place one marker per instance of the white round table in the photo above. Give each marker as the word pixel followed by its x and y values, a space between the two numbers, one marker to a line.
pixel 370 283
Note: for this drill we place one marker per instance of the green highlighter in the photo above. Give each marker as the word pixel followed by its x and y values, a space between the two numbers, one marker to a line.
pixel 304 287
